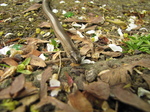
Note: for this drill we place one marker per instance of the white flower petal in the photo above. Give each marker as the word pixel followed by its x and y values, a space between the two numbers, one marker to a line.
pixel 77 1
pixel 90 32
pixel 42 57
pixel 87 61
pixel 143 92
pixel 55 11
pixel 64 12
pixel 54 83
pixel 120 33
pixel 55 92
pixel 50 47
pixel 3 4
pixel 115 47
pixel 5 50
pixel 76 24
pixel 62 2
pixel 80 34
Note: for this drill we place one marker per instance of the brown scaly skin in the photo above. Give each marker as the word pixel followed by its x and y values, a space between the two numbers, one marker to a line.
pixel 68 45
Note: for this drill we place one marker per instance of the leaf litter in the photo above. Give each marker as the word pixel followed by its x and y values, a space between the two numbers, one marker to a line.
pixel 78 87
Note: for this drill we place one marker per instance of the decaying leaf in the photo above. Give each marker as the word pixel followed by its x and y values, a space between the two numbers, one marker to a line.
pixel 1 72
pixel 36 61
pixel 111 54
pixel 9 72
pixel 64 107
pixel 29 99
pixel 94 20
pixel 88 45
pixel 98 89
pixel 121 74
pixel 122 24
pixel 19 88
pixel 4 93
pixel 45 25
pixel 79 102
pixel 34 41
pixel 13 52
pixel 20 109
pixel 17 85
pixel 29 89
pixel 106 108
pixel 85 49
pixel 30 49
pixel 33 7
pixel 146 78
pixel 10 61
pixel 45 76
pixel 129 98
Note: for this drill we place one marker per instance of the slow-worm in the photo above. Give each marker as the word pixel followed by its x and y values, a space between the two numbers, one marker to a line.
pixel 60 33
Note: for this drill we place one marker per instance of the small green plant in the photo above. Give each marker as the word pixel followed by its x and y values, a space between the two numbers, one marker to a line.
pixel 9 104
pixel 21 68
pixel 69 14
pixel 141 43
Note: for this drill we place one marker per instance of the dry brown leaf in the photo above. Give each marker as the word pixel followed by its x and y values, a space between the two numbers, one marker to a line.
pixel 17 85
pixel 36 61
pixel 35 52
pixel 98 89
pixel 10 61
pixel 9 72
pixel 85 49
pixel 1 72
pixel 122 24
pixel 34 41
pixel 43 86
pixel 79 102
pixel 74 20
pixel 45 25
pixel 29 89
pixel 57 103
pixel 28 49
pixel 96 102
pixel 57 54
pixel 5 93
pixel 87 45
pixel 19 88
pixel 29 99
pixel 20 109
pixel 112 54
pixel 106 108
pixel 146 78
pixel 89 28
pixel 129 98
pixel 96 20
pixel 121 74
pixel 118 75
pixel 33 7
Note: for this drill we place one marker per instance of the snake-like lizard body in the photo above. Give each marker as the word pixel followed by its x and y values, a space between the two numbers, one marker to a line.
pixel 60 33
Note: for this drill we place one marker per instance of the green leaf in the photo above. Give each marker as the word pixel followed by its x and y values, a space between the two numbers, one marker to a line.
pixel 4 65
pixel 8 104
pixel 17 46
pixel 26 61
pixel 24 72
pixel 141 43
pixel 69 14
pixel 54 42
pixel 21 67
